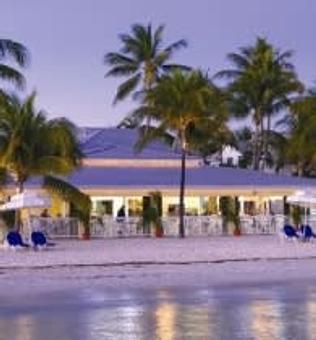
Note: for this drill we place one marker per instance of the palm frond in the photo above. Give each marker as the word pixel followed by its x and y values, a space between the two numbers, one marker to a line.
pixel 71 194
pixel 182 43
pixel 122 70
pixel 148 135
pixel 114 59
pixel 127 87
pixel 10 74
pixel 14 50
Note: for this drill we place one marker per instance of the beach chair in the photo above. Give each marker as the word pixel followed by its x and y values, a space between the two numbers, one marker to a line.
pixel 307 233
pixel 14 240
pixel 39 240
pixel 290 233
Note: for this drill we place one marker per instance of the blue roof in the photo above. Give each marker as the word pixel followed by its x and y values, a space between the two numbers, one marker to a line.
pixel 114 143
pixel 168 177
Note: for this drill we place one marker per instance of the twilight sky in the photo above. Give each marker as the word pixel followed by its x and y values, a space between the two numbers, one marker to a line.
pixel 68 38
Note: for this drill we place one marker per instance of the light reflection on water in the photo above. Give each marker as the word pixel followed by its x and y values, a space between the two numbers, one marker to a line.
pixel 166 314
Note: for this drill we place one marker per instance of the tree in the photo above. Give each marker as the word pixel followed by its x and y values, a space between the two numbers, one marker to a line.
pixel 262 83
pixel 179 100
pixel 210 137
pixel 30 144
pixel 301 132
pixel 142 59
pixel 16 52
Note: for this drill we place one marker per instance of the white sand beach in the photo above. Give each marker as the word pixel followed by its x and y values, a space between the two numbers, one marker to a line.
pixel 142 263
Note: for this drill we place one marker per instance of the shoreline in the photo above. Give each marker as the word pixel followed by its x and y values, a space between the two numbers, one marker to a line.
pixel 26 282
pixel 106 265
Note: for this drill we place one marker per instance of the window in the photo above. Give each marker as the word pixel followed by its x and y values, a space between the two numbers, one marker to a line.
pixel 249 208
pixel 104 207
pixel 135 207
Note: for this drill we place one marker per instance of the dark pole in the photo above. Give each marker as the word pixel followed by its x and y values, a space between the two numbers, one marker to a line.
pixel 182 189
pixel 17 218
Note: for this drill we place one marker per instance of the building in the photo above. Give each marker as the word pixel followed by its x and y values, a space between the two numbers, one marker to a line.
pixel 114 175
pixel 229 156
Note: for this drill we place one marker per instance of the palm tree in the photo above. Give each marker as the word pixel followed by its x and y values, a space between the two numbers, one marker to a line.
pixel 210 137
pixel 262 83
pixel 142 59
pixel 179 100
pixel 301 132
pixel 16 52
pixel 32 145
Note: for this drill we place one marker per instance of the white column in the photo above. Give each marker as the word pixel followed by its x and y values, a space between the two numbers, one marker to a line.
pixel 242 205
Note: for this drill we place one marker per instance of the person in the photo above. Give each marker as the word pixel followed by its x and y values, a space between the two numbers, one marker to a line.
pixel 121 214
pixel 45 213
pixel 120 218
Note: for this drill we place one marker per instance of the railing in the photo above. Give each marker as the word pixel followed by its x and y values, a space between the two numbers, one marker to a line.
pixel 61 227
pixel 131 227
pixel 107 227
pixel 194 226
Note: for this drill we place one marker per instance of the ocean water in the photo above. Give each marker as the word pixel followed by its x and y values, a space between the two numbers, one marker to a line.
pixel 277 311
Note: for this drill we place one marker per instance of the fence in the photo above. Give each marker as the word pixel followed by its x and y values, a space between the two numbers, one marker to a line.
pixel 194 226
pixel 63 227
pixel 132 227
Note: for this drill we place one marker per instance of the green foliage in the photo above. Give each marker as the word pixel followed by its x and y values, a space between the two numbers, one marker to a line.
pixel 153 212
pixel 30 144
pixel 80 201
pixel 180 99
pixel 8 217
pixel 141 59
pixel 296 215
pixel 261 84
pixel 12 51
pixel 301 128
pixel 229 208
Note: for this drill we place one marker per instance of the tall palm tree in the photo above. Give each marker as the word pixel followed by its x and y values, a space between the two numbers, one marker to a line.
pixel 261 84
pixel 12 51
pixel 178 101
pixel 142 59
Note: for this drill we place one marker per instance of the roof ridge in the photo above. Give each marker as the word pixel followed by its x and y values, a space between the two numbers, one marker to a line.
pixel 92 137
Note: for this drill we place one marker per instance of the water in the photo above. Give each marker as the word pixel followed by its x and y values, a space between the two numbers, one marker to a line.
pixel 276 311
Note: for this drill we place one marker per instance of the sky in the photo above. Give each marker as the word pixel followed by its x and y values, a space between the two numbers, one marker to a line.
pixel 68 39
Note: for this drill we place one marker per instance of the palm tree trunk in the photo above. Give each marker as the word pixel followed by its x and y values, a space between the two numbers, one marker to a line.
pixel 256 158
pixel 148 87
pixel 182 187
pixel 266 136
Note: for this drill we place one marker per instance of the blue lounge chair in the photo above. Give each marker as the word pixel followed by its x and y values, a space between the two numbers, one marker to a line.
pixel 307 232
pixel 39 240
pixel 14 239
pixel 290 232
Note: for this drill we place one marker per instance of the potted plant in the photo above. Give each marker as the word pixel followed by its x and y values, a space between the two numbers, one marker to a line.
pixel 230 215
pixel 83 216
pixel 7 219
pixel 86 232
pixel 296 215
pixel 158 229
pixel 151 219
pixel 237 229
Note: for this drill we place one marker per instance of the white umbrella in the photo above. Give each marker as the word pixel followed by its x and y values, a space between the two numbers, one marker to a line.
pixel 26 200
pixel 303 198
